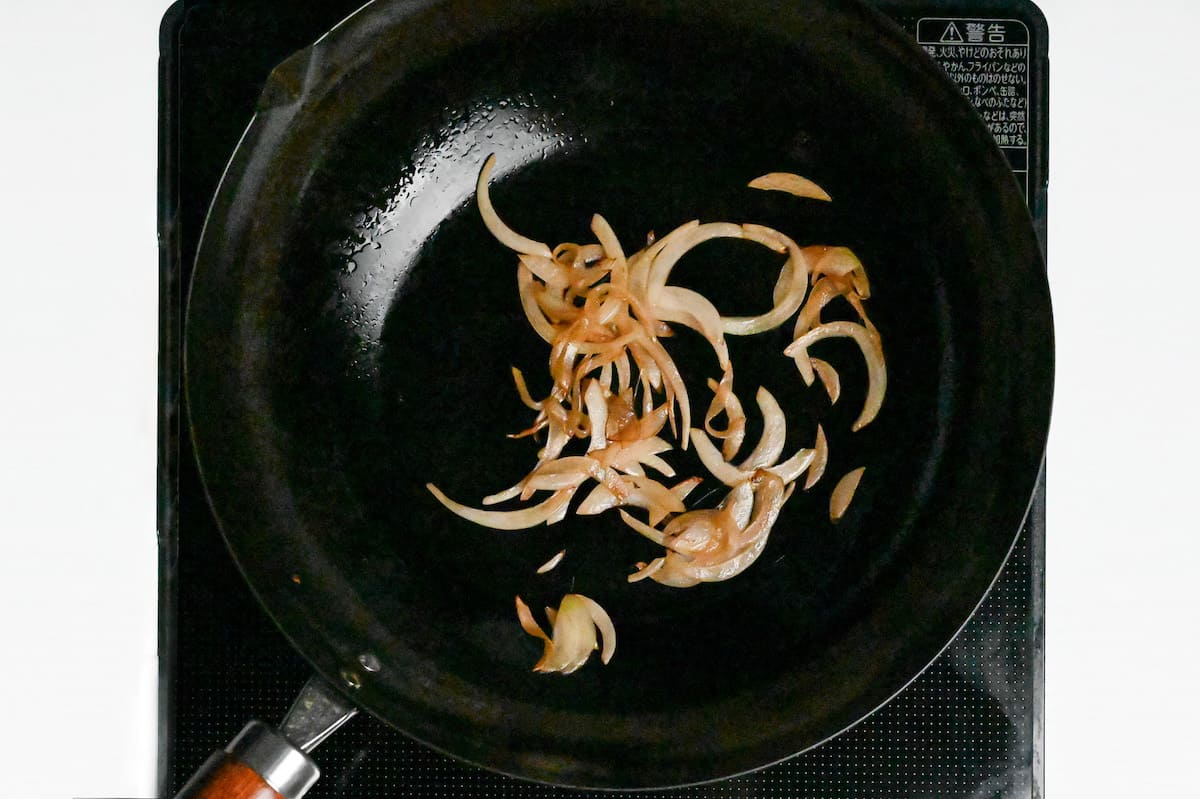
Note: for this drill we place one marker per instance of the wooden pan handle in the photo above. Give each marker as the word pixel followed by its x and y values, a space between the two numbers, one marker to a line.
pixel 259 764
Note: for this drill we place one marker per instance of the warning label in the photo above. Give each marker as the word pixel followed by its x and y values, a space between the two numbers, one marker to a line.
pixel 989 61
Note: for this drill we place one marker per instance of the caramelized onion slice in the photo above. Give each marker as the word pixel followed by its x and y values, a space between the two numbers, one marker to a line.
pixel 740 502
pixel 641 527
pixel 872 351
pixel 829 378
pixel 646 570
pixel 678 245
pixel 528 623
pixel 726 401
pixel 768 500
pixel 841 262
pixel 553 562
pixel 717 466
pixel 843 492
pixel 503 233
pixel 820 459
pixel 689 308
pixel 770 445
pixel 507 520
pixel 574 635
pixel 790 289
pixel 793 467
pixel 529 304
pixel 597 411
pixel 792 184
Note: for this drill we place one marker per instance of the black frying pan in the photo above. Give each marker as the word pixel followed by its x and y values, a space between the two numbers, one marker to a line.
pixel 351 326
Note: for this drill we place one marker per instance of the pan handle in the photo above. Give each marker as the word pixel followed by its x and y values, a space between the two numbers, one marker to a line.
pixel 264 763
pixel 258 764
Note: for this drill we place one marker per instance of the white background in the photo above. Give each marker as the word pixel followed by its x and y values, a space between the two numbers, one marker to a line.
pixel 78 327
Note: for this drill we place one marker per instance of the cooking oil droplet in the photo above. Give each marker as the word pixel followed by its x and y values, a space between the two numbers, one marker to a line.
pixel 351 679
pixel 369 662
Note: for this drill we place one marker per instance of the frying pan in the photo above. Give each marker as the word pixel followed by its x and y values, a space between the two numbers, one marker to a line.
pixel 351 327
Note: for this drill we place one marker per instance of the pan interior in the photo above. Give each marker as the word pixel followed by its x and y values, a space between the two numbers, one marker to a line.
pixel 367 351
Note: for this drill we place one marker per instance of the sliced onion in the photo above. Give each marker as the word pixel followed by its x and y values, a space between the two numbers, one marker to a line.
pixel 790 289
pixel 612 248
pixel 823 291
pixel 740 502
pixel 574 635
pixel 556 442
pixel 678 245
pixel 597 411
pixel 659 465
pixel 523 390
pixel 647 570
pixel 597 501
pixel 641 527
pixel 561 473
pixel 501 496
pixel 644 493
pixel 841 262
pixel 547 270
pixel 686 307
pixel 649 425
pixel 790 183
pixel 503 233
pixel 528 623
pixel 676 390
pixel 533 313
pixel 640 263
pixel 872 351
pixel 726 401
pixel 660 497
pixel 608 633
pixel 717 466
pixel 550 564
pixel 706 535
pixel 768 501
pixel 674 577
pixel 620 415
pixel 820 459
pixel 681 491
pixel 507 520
pixel 624 454
pixel 623 372
pixel 843 492
pixel 829 378
pixel 770 445
pixel 794 466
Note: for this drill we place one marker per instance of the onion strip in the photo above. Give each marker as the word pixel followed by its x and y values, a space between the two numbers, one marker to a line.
pixel 843 492
pixel 820 459
pixel 789 292
pixel 829 378
pixel 872 351
pixel 550 564
pixel 503 233
pixel 792 184
pixel 507 520
pixel 770 445
pixel 717 466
